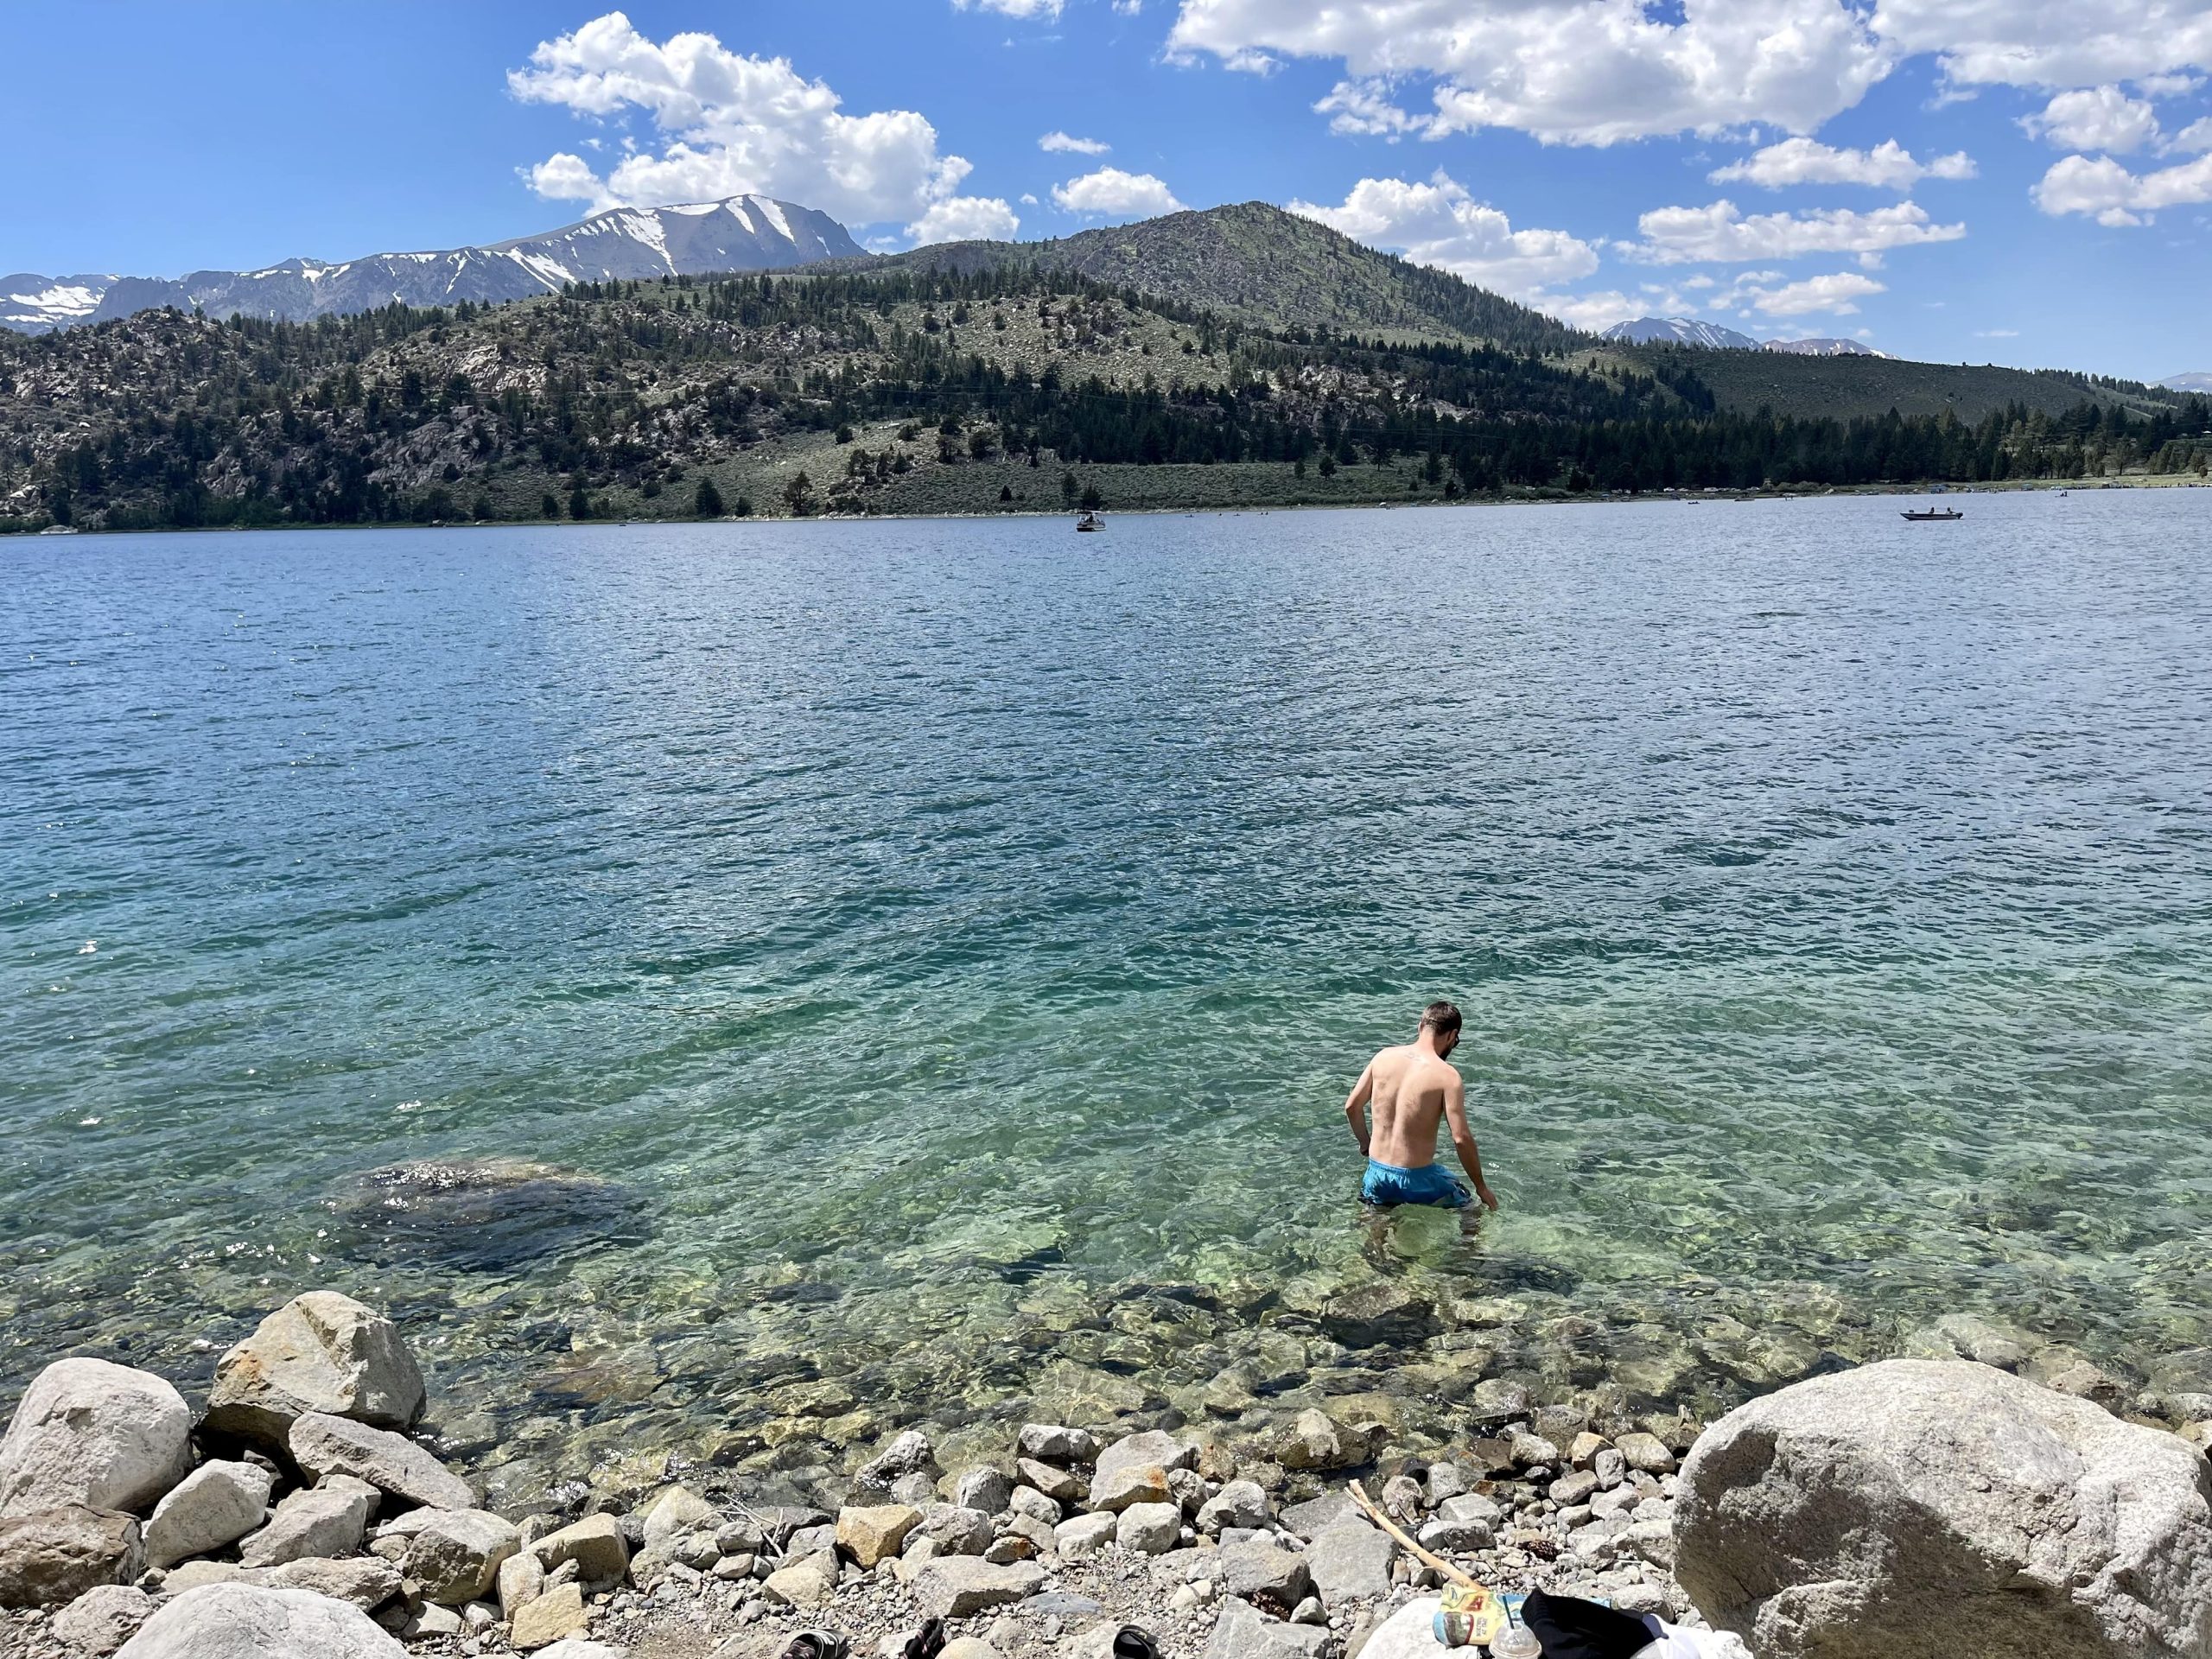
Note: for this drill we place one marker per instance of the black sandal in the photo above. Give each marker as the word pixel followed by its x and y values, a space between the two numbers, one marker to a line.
pixel 1131 1643
pixel 928 1643
pixel 818 1644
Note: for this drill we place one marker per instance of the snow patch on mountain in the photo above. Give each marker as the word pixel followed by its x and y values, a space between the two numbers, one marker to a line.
pixel 1680 331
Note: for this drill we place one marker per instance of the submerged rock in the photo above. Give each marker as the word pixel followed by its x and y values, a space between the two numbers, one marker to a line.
pixel 91 1433
pixel 486 1214
pixel 1932 1510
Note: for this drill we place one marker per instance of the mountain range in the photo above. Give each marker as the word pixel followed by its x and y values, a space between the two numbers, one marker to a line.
pixel 1690 331
pixel 741 233
pixel 2195 381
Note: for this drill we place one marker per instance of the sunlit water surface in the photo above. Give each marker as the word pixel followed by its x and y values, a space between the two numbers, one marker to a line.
pixel 932 955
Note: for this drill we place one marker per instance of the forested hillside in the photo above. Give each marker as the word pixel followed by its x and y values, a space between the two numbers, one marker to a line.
pixel 910 389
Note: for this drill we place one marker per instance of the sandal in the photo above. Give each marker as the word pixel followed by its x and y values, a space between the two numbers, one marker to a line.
pixel 818 1644
pixel 928 1643
pixel 1131 1643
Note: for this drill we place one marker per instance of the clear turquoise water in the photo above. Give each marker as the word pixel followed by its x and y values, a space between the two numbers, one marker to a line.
pixel 952 942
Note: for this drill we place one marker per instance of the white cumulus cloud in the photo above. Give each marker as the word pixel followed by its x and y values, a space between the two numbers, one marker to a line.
pixel 1438 223
pixel 1837 295
pixel 965 218
pixel 1721 233
pixel 2095 117
pixel 1887 166
pixel 730 124
pixel 2194 138
pixel 1600 72
pixel 2103 189
pixel 1062 142
pixel 1111 193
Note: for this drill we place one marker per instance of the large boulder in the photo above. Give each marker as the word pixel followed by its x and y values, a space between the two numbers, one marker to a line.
pixel 456 1557
pixel 320 1352
pixel 1925 1509
pixel 242 1621
pixel 103 1619
pixel 53 1557
pixel 323 1445
pixel 91 1433
pixel 321 1521
pixel 217 1504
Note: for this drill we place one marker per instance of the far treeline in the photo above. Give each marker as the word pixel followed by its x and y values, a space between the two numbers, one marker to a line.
pixel 662 398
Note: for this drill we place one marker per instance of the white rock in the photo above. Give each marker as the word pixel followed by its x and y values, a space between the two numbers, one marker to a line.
pixel 91 1433
pixel 1409 1633
pixel 576 1647
pixel 322 1352
pixel 217 1504
pixel 103 1619
pixel 323 1445
pixel 458 1556
pixel 1921 1508
pixel 240 1621
pixel 1148 1529
pixel 323 1521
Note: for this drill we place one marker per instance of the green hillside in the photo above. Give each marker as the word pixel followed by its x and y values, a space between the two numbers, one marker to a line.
pixel 1844 388
pixel 1256 264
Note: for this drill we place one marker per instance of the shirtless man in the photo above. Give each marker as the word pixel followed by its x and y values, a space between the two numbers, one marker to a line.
pixel 1412 1090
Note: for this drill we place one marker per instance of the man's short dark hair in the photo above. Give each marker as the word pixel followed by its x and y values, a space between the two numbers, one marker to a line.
pixel 1442 1018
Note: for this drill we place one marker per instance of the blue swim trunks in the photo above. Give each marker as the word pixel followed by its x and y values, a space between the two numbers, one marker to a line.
pixel 1388 1183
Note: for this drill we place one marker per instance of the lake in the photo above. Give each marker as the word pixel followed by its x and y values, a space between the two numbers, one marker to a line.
pixel 913 970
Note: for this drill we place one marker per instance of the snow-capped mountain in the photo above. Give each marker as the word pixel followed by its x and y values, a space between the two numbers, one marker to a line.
pixel 1678 331
pixel 743 233
pixel 2197 380
pixel 32 305
pixel 1823 348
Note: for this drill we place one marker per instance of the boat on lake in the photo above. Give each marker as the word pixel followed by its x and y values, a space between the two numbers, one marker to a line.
pixel 1927 513
pixel 1090 521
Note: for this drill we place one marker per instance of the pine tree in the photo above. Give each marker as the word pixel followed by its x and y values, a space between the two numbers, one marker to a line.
pixel 708 502
pixel 798 496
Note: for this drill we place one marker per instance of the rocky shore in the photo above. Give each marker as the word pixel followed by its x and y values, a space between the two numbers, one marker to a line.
pixel 1944 1506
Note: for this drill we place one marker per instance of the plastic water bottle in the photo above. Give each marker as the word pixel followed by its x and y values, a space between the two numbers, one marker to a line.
pixel 1516 1641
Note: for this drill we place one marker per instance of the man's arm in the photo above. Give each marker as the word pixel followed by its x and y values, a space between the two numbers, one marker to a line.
pixel 1355 1105
pixel 1463 1140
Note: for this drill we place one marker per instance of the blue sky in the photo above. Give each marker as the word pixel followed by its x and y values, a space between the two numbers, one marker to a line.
pixel 1963 180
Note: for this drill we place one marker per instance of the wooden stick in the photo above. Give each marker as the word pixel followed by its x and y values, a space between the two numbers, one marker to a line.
pixel 1376 1515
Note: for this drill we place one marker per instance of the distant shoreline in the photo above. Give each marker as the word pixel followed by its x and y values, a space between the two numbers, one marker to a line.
pixel 1108 512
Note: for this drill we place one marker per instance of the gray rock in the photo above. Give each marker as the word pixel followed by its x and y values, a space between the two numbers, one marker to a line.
pixel 1918 1509
pixel 1407 1633
pixel 1496 1402
pixel 1456 1537
pixel 364 1582
pixel 1239 1504
pixel 576 1647
pixel 217 1504
pixel 1471 1507
pixel 322 1352
pixel 49 1558
pixel 958 1587
pixel 1027 1500
pixel 1971 1336
pixel 955 1530
pixel 1529 1451
pixel 987 1490
pixel 323 1445
pixel 675 1512
pixel 1152 1449
pixel 1148 1529
pixel 103 1619
pixel 521 1581
pixel 1446 1481
pixel 1241 1633
pixel 1052 1443
pixel 1056 1484
pixel 93 1433
pixel 1085 1536
pixel 1262 1570
pixel 1316 1440
pixel 1311 1519
pixel 596 1544
pixel 910 1453
pixel 1610 1466
pixel 1351 1562
pixel 324 1521
pixel 1130 1484
pixel 1573 1489
pixel 1647 1452
pixel 457 1557
pixel 241 1621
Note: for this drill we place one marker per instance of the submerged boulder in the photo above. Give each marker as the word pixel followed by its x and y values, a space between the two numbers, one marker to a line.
pixel 485 1214
pixel 1931 1509
pixel 91 1433
pixel 320 1352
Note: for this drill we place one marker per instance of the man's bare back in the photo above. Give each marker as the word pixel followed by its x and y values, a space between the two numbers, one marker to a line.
pixel 1412 1089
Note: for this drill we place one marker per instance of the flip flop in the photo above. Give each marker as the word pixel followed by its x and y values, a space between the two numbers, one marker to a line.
pixel 928 1643
pixel 818 1644
pixel 1131 1643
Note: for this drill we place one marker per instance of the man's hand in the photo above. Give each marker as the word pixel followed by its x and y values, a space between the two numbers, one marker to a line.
pixel 1489 1197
